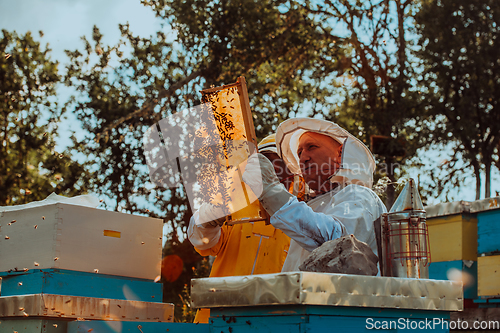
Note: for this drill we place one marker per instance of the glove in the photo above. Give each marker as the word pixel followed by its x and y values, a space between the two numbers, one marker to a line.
pixel 211 216
pixel 259 175
pixel 202 236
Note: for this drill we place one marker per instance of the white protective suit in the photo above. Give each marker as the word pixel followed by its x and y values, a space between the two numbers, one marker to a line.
pixel 351 208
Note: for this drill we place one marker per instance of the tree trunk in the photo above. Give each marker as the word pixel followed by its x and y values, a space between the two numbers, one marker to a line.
pixel 487 179
pixel 390 191
pixel 477 173
pixel 401 50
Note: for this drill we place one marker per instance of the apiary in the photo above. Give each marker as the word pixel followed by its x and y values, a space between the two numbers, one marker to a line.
pixel 64 265
pixel 488 248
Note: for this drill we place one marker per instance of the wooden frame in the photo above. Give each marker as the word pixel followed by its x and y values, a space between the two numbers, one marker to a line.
pixel 241 87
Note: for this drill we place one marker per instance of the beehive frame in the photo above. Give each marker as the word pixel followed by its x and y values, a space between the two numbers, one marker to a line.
pixel 233 100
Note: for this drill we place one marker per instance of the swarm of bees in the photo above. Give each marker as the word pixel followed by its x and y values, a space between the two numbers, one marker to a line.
pixel 217 156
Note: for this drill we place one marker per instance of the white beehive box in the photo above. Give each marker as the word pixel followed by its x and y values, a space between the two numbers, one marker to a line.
pixel 80 238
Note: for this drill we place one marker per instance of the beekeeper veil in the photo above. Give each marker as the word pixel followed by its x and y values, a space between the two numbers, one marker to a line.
pixel 357 163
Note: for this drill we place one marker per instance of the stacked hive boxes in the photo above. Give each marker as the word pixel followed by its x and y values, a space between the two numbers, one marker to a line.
pixel 453 242
pixel 63 262
pixel 465 244
pixel 488 249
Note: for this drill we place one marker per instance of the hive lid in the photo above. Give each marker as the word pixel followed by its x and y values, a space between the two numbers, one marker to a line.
pixel 307 288
pixel 448 208
pixel 83 308
pixel 461 207
pixel 485 204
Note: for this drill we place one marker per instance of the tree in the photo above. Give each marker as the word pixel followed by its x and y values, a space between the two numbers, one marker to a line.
pixel 272 43
pixel 160 77
pixel 460 51
pixel 30 167
pixel 378 103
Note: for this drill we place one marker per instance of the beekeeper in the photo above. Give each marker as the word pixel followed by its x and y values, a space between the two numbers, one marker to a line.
pixel 295 184
pixel 240 249
pixel 337 167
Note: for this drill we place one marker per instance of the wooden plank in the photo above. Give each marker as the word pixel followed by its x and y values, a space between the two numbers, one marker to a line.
pixel 453 237
pixel 488 275
pixel 250 128
pixel 245 108
pixel 106 326
pixel 488 231
pixel 223 87
pixel 73 283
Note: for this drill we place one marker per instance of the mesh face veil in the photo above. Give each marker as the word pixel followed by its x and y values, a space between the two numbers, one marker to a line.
pixel 357 163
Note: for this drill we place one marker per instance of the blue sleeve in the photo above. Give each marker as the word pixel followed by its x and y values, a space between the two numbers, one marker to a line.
pixel 295 218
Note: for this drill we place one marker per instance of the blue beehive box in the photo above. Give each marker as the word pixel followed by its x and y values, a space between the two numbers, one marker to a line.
pixel 444 270
pixel 73 283
pixel 488 225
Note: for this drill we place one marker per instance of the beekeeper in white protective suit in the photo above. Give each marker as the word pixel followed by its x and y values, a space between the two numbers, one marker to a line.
pixel 337 167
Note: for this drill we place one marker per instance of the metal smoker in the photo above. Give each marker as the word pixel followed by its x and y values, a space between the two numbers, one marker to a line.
pixel 403 238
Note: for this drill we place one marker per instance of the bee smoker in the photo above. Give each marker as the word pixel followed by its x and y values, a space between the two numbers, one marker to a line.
pixel 403 238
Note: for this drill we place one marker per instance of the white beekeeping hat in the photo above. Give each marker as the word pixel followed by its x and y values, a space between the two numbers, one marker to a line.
pixel 357 165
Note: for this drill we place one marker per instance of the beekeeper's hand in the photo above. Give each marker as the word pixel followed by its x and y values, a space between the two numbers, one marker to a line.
pixel 210 216
pixel 260 176
pixel 204 235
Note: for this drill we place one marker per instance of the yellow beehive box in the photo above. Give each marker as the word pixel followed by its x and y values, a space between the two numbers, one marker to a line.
pixel 452 232
pixel 453 237
pixel 488 276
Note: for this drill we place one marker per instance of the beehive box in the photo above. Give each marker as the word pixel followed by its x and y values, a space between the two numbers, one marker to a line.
pixel 72 283
pixel 83 308
pixel 488 274
pixel 452 232
pixel 466 271
pixel 33 325
pixel 488 225
pixel 81 239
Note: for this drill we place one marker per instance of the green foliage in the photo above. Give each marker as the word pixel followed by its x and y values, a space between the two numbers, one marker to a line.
pixel 273 43
pixel 30 168
pixel 124 89
pixel 375 96
pixel 460 49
